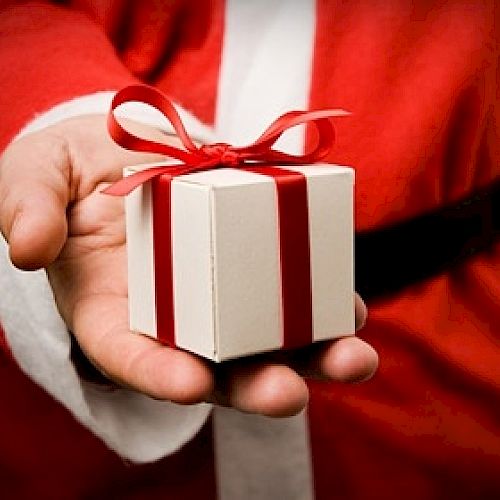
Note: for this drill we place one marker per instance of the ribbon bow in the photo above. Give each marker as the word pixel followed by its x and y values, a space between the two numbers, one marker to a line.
pixel 195 159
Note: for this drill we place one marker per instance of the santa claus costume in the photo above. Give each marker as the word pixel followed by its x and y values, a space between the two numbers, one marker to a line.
pixel 420 79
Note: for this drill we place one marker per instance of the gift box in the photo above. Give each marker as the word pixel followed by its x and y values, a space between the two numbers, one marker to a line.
pixel 223 265
pixel 234 251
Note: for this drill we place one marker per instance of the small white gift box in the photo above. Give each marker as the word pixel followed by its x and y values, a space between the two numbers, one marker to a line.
pixel 226 274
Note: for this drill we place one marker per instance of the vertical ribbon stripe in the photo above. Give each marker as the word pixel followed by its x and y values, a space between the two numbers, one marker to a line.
pixel 295 258
pixel 164 283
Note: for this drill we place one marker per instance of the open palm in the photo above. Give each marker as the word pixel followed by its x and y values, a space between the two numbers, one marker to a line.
pixel 54 216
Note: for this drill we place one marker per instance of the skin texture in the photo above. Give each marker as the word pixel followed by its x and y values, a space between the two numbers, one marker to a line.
pixel 55 217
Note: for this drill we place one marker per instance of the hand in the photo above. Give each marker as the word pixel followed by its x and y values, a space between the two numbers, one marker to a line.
pixel 54 216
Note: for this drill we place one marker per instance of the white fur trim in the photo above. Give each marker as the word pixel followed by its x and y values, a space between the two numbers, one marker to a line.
pixel 135 426
pixel 261 457
pixel 266 68
pixel 100 102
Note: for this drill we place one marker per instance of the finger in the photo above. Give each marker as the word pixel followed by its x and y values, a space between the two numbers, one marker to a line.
pixel 348 359
pixel 136 361
pixel 264 388
pixel 361 312
pixel 103 159
pixel 34 193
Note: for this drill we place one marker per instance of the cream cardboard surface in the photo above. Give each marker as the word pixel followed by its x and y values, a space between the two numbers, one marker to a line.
pixel 227 285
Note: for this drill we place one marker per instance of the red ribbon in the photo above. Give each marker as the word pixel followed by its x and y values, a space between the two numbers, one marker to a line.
pixel 258 157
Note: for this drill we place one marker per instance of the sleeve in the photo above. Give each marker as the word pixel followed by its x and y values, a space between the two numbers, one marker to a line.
pixel 50 54
pixel 78 69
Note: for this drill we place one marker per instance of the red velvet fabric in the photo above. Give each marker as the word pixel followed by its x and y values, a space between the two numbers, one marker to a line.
pixel 421 82
pixel 45 453
pixel 421 79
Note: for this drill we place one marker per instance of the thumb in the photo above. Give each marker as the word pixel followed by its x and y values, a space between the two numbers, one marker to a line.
pixel 35 174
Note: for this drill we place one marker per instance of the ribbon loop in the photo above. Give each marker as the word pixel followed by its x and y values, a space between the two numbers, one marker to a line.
pixel 209 156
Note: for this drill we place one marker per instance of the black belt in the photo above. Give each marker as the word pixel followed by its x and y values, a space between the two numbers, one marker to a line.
pixel 389 259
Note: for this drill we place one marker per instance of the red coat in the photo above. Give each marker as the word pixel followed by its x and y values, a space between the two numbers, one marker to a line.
pixel 421 81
